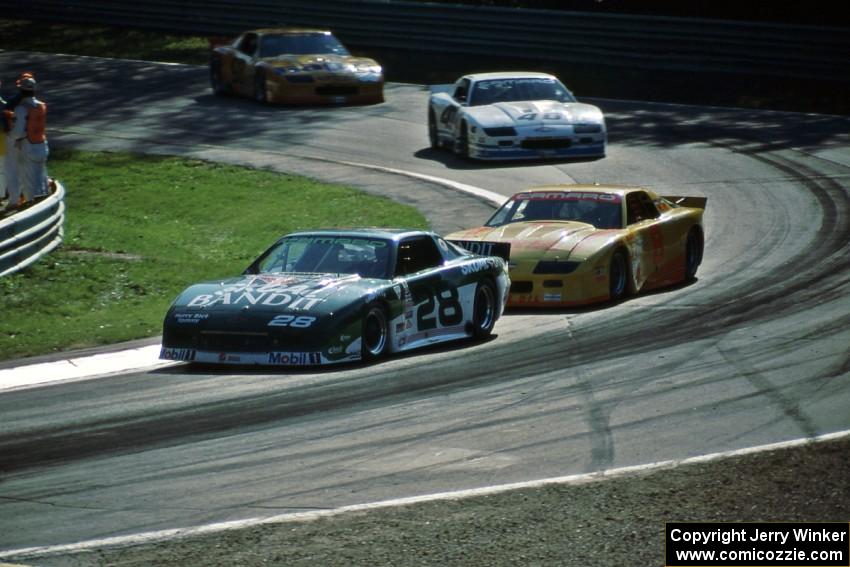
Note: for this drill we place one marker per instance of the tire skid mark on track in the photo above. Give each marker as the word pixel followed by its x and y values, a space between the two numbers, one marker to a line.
pixel 597 417
pixel 365 388
pixel 764 385
pixel 818 281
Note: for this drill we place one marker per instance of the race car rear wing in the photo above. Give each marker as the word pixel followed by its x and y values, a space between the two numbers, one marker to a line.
pixel 691 202
pixel 486 248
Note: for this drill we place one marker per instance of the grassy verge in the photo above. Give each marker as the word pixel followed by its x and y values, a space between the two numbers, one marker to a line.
pixel 424 67
pixel 103 41
pixel 140 228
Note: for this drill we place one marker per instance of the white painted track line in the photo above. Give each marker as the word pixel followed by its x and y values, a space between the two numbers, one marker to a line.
pixel 82 367
pixel 490 196
pixel 577 479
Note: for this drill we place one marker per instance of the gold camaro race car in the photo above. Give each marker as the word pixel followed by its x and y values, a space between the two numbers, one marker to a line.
pixel 572 245
pixel 295 66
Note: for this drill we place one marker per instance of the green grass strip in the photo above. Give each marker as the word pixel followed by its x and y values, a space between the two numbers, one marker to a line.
pixel 104 41
pixel 140 228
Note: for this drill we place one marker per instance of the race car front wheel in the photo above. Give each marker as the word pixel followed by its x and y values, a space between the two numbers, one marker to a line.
pixel 433 137
pixel 618 276
pixel 484 310
pixel 693 253
pixel 462 143
pixel 260 90
pixel 375 335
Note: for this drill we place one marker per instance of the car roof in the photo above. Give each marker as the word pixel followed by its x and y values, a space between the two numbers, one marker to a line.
pixel 383 233
pixel 508 75
pixel 289 31
pixel 621 190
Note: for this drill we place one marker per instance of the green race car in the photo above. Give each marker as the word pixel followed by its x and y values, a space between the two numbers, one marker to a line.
pixel 331 296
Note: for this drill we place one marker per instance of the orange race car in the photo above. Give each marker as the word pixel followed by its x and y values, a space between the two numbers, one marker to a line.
pixel 295 66
pixel 573 245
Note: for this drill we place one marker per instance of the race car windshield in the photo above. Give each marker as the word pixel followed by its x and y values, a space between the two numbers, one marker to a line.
pixel 602 210
pixel 304 44
pixel 511 90
pixel 320 253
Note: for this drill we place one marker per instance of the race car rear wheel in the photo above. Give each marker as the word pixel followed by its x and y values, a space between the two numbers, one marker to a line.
pixel 260 90
pixel 484 310
pixel 693 253
pixel 433 137
pixel 618 276
pixel 375 336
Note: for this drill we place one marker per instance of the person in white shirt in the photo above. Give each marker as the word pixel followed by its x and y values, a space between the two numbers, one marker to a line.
pixel 27 174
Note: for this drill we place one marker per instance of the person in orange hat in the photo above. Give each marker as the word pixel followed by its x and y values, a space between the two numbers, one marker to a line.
pixel 29 178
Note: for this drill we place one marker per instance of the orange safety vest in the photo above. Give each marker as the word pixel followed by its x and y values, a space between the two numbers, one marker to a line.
pixel 36 123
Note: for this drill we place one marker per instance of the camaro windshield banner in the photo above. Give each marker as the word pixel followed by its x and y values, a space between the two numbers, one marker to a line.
pixel 757 544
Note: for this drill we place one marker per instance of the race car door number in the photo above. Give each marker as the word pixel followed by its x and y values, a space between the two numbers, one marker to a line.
pixel 446 303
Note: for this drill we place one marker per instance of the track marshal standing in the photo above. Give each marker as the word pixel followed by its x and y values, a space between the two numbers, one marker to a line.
pixel 11 158
pixel 26 145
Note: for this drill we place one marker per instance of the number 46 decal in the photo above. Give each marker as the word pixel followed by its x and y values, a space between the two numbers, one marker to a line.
pixel 449 310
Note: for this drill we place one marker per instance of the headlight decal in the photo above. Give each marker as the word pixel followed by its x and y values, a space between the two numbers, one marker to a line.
pixel 554 267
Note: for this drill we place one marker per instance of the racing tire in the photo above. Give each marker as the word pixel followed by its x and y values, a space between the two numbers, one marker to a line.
pixel 618 276
pixel 694 246
pixel 484 310
pixel 433 137
pixel 261 94
pixel 462 143
pixel 375 336
pixel 219 88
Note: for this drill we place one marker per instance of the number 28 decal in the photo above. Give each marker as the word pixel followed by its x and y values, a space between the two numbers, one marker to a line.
pixel 448 309
pixel 300 322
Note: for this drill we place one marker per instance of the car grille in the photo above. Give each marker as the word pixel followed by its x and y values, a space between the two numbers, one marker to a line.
pixel 500 131
pixel 552 267
pixel 546 144
pixel 336 90
pixel 234 341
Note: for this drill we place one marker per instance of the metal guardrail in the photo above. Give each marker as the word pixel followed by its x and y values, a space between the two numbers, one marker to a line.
pixel 629 41
pixel 28 235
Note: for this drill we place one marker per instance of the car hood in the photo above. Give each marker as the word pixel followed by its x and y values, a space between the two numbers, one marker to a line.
pixel 534 113
pixel 536 240
pixel 319 62
pixel 292 292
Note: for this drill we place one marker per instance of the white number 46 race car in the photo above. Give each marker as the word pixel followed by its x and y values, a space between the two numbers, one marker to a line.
pixel 516 115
